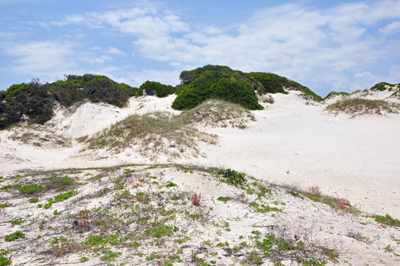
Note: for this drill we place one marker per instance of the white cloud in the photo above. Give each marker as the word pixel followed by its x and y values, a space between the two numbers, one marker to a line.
pixel 363 75
pixel 113 50
pixel 137 78
pixel 391 28
pixel 40 58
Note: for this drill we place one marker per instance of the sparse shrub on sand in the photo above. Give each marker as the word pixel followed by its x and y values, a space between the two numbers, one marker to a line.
pixel 152 134
pixel 196 199
pixel 358 106
pixel 218 113
pixel 233 177
pixel 342 203
pixel 387 219
pixel 14 236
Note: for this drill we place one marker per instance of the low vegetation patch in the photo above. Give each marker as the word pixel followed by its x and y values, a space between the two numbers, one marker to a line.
pixel 152 134
pixel 217 113
pixel 358 106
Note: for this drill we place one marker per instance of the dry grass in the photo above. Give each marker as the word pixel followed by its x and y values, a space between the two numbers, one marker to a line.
pixel 358 106
pixel 342 203
pixel 315 191
pixel 37 135
pixel 151 135
pixel 217 113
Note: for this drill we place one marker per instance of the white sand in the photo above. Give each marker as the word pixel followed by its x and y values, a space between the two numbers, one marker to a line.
pixel 290 143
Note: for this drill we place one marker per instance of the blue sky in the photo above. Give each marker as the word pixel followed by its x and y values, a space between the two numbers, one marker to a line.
pixel 325 45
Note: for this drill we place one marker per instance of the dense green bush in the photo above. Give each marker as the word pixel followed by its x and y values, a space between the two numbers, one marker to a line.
pixel 36 101
pixel 32 100
pixel 216 82
pixel 272 83
pixel 156 88
pixel 382 86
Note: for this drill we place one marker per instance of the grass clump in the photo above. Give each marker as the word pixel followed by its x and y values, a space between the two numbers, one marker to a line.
pixel 152 134
pixel 14 236
pixel 218 113
pixel 358 106
pixel 33 200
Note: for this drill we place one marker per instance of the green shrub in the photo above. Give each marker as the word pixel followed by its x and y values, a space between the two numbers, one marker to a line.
pixel 36 100
pixel 171 184
pixel 31 189
pixel 387 219
pixel 233 177
pixel 63 196
pixel 157 89
pixel 49 204
pixel 224 199
pixel 18 222
pixel 14 236
pixel 4 261
pixel 216 82
pixel 382 86
pixel 272 83
pixel 6 204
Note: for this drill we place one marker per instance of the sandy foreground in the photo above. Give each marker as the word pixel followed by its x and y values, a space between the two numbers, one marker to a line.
pixel 292 143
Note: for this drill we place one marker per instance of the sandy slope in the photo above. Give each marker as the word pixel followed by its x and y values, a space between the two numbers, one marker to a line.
pixel 291 143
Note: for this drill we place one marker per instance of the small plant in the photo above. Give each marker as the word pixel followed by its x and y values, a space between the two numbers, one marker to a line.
pixel 233 177
pixel 49 204
pixel 342 203
pixel 5 261
pixel 170 184
pixel 14 236
pixel 83 259
pixel 33 200
pixel 18 222
pixel 332 254
pixel 224 199
pixel 109 255
pixel 196 199
pixel 56 212
pixel 41 226
pixel 315 191
pixel 6 204
pixel 60 245
pixel 82 218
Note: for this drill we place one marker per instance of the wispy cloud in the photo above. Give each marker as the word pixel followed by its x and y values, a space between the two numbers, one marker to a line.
pixel 113 50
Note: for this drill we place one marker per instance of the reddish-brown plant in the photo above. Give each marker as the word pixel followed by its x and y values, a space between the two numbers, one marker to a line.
pixel 82 218
pixel 136 185
pixel 315 191
pixel 196 199
pixel 342 203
